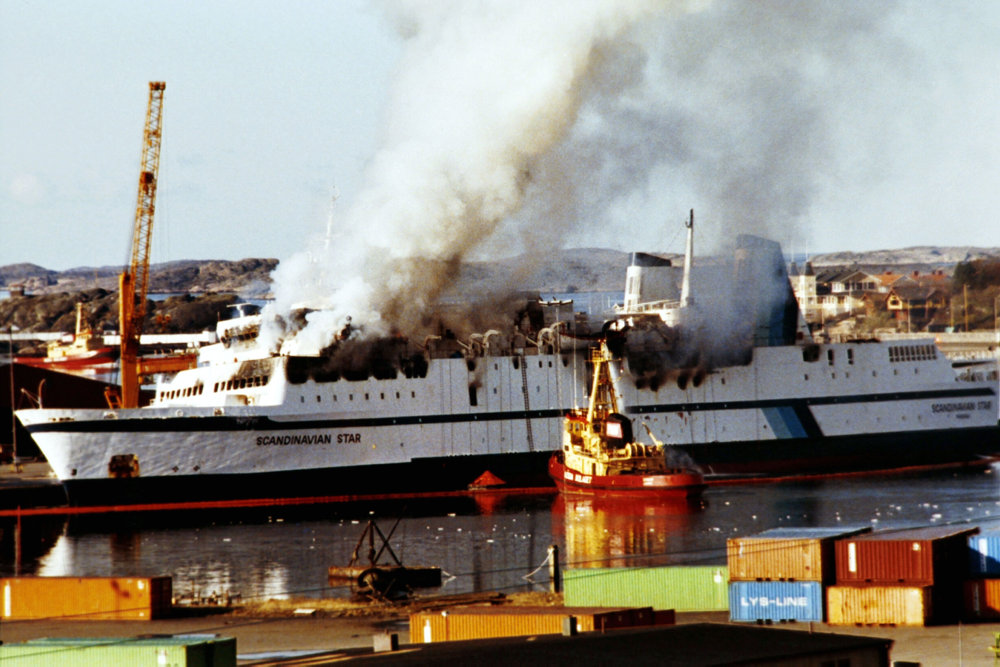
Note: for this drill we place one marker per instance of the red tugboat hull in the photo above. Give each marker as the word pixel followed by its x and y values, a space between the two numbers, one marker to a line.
pixel 674 484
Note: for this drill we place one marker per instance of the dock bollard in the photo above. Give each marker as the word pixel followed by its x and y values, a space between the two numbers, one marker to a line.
pixel 555 576
pixel 384 641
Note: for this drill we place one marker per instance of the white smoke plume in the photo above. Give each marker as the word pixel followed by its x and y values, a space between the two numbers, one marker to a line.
pixel 512 122
pixel 483 91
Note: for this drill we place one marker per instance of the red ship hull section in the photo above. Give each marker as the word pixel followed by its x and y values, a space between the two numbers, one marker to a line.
pixel 681 484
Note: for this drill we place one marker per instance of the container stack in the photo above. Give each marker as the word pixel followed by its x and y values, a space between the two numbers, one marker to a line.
pixel 982 589
pixel 779 575
pixel 900 577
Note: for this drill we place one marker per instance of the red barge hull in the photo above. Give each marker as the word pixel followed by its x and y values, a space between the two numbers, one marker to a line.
pixel 681 484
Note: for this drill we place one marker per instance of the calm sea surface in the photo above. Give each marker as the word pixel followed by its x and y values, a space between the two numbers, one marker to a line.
pixel 488 543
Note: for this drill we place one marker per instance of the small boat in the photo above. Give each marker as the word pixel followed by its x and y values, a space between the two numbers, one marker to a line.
pixel 599 454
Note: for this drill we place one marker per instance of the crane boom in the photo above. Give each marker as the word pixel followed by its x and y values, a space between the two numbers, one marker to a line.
pixel 134 280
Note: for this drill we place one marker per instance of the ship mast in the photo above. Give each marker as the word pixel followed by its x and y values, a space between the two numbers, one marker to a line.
pixel 603 401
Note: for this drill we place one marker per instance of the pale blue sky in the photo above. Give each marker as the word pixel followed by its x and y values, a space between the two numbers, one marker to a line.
pixel 877 126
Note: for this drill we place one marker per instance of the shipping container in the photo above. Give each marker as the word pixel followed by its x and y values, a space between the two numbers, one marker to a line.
pixel 776 601
pixel 787 554
pixel 679 587
pixel 480 622
pixel 981 599
pixel 916 557
pixel 174 650
pixel 984 555
pixel 879 605
pixel 86 598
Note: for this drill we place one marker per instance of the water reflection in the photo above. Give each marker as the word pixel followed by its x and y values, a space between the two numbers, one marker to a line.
pixel 484 542
pixel 620 532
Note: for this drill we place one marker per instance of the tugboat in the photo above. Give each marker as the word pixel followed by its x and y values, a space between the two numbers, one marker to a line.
pixel 600 455
pixel 84 352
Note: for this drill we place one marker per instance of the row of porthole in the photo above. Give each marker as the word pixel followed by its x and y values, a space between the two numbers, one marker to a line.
pixel 350 397
pixel 912 353
pixel 196 390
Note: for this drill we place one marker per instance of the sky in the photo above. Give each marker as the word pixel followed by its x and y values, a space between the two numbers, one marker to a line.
pixel 513 126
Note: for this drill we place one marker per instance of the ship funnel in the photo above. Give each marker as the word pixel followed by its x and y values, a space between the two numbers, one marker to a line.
pixel 766 295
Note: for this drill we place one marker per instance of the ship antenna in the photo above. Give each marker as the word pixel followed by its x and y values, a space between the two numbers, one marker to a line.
pixel 688 258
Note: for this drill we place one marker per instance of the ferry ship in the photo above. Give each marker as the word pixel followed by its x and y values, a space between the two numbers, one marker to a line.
pixel 390 417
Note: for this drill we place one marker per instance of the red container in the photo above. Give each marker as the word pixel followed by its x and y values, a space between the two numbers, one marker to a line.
pixel 916 557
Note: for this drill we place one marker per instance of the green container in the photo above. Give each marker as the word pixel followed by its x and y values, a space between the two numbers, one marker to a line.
pixel 678 587
pixel 160 651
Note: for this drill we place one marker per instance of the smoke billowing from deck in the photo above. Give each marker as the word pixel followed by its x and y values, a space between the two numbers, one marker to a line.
pixel 512 123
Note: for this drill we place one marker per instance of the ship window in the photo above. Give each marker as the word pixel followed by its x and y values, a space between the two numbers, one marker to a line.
pixel 850 356
pixel 382 395
pixel 334 398
pixel 874 374
pixel 833 376
pixel 413 394
pixel 829 357
pixel 806 376
pixel 350 397
pixel 723 380
pixel 317 398
pixel 366 396
pixel 302 399
pixel 397 394
pixel 473 398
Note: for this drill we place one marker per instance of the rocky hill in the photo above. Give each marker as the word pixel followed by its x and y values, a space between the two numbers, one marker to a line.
pixel 245 276
pixel 936 257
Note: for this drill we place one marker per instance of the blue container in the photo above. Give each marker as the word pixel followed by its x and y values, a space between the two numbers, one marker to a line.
pixel 984 555
pixel 776 601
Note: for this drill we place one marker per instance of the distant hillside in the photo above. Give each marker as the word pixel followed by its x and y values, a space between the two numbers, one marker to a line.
pixel 245 276
pixel 931 256
pixel 579 269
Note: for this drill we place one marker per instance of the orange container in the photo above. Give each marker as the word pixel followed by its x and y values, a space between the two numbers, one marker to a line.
pixel 982 599
pixel 476 622
pixel 786 554
pixel 879 605
pixel 86 598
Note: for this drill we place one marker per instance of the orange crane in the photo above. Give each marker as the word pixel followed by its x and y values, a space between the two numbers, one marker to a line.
pixel 133 282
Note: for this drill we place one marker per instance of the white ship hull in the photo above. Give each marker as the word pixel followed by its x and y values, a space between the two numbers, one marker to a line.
pixel 857 406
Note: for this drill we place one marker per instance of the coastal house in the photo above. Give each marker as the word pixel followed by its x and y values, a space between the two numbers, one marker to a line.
pixel 831 293
pixel 914 306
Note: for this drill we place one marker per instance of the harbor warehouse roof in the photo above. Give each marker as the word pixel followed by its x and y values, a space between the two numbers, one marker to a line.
pixel 688 645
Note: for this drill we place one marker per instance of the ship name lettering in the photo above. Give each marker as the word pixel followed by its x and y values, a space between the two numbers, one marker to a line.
pixel 308 439
pixel 348 438
pixel 959 407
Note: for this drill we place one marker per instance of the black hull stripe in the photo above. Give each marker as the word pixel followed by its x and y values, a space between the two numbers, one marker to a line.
pixel 215 424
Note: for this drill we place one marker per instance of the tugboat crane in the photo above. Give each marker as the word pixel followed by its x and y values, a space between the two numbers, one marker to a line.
pixel 133 282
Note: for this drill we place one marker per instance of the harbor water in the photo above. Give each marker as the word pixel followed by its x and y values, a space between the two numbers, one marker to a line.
pixel 487 542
